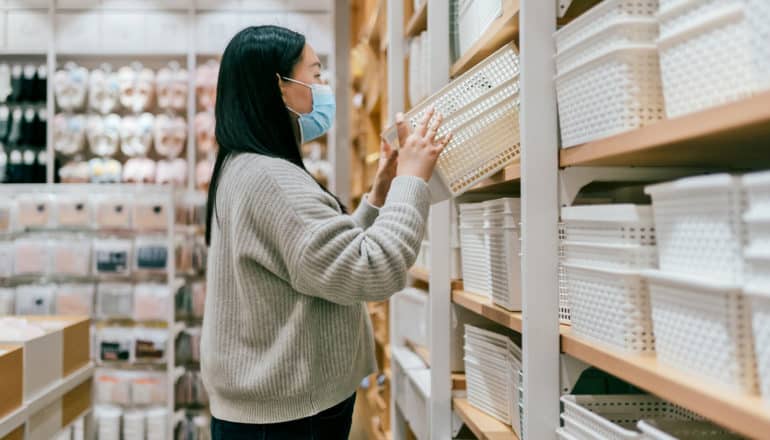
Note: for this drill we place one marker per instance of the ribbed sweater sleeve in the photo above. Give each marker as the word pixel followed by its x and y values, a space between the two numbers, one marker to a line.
pixel 366 213
pixel 327 254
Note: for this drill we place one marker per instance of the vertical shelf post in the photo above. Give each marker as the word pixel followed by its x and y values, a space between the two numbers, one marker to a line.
pixel 540 213
pixel 440 302
pixel 338 146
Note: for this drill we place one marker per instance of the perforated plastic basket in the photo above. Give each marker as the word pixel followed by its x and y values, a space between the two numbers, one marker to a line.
pixel 601 17
pixel 683 430
pixel 699 227
pixel 609 256
pixel 481 110
pixel 757 186
pixel 703 327
pixel 713 52
pixel 617 224
pixel 610 417
pixel 613 92
pixel 611 307
pixel 619 34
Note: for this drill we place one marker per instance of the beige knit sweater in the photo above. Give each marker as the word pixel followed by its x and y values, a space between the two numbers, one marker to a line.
pixel 286 333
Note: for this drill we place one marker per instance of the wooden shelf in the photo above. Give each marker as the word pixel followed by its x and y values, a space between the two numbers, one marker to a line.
pixel 458 381
pixel 422 352
pixel 508 175
pixel 485 427
pixel 370 33
pixel 502 31
pixel 733 136
pixel 484 307
pixel 418 22
pixel 421 274
pixel 745 414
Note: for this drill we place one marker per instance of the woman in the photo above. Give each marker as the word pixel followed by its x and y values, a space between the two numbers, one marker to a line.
pixel 286 338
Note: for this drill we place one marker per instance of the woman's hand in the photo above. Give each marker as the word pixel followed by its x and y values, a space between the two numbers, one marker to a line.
pixel 386 171
pixel 420 149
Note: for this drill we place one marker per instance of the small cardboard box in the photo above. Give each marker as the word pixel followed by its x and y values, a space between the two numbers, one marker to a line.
pixel 62 350
pixel 11 378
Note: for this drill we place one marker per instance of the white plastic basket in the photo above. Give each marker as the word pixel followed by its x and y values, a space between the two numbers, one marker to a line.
pixel 565 316
pixel 699 227
pixel 418 399
pixel 611 417
pixel 609 256
pixel 410 305
pixel 611 307
pixel 617 35
pixel 757 224
pixel 481 110
pixel 757 187
pixel 613 92
pixel 403 361
pixel 474 17
pixel 490 250
pixel 713 52
pixel 676 429
pixel 604 15
pixel 618 224
pixel 703 327
pixel 423 259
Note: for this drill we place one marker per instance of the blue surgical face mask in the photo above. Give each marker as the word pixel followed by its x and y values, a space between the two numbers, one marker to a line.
pixel 314 124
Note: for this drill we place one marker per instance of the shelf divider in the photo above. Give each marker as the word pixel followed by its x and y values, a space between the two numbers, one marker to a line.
pixel 745 414
pixel 484 426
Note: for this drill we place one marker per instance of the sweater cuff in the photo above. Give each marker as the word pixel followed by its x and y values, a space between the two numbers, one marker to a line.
pixel 412 190
pixel 366 213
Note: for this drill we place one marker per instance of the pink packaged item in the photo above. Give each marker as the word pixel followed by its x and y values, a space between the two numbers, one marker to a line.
pixel 205 127
pixel 113 386
pixel 139 170
pixel 34 210
pixel 75 299
pixel 171 172
pixel 137 87
pixel 152 302
pixel 31 256
pixel 73 211
pixel 170 134
pixel 206 84
pixel 172 84
pixel 114 212
pixel 71 257
pixel 151 214
pixel 148 388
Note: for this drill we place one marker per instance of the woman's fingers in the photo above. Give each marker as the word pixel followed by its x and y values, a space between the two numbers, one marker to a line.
pixel 441 144
pixel 401 129
pixel 431 135
pixel 422 128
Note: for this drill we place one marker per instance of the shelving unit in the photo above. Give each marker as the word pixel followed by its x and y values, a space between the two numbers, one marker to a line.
pixel 696 140
pixel 418 21
pixel 483 426
pixel 503 30
pixel 46 397
pixel 744 414
pixel 483 306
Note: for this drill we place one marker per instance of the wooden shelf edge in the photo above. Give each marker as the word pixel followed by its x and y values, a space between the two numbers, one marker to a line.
pixel 421 274
pixel 484 307
pixel 503 30
pixel 484 426
pixel 508 175
pixel 682 140
pixel 418 22
pixel 370 31
pixel 745 414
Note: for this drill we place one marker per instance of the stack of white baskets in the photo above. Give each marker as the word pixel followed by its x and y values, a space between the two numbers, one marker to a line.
pixel 608 74
pixel 614 417
pixel 481 110
pixel 605 248
pixel 700 315
pixel 490 249
pixel 713 52
pixel 492 366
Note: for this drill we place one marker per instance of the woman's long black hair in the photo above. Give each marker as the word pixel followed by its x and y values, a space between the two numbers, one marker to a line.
pixel 250 113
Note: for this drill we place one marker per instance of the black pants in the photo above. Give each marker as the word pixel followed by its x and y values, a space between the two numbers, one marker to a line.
pixel 331 424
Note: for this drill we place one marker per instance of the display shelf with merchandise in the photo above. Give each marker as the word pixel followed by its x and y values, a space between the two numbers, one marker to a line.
pixel 504 29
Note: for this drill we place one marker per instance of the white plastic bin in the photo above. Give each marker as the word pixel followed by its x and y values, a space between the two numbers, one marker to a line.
pixel 474 18
pixel 699 226
pixel 591 417
pixel 713 52
pixel 403 361
pixel 677 429
pixel 411 307
pixel 417 403
pixel 611 307
pixel 703 327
